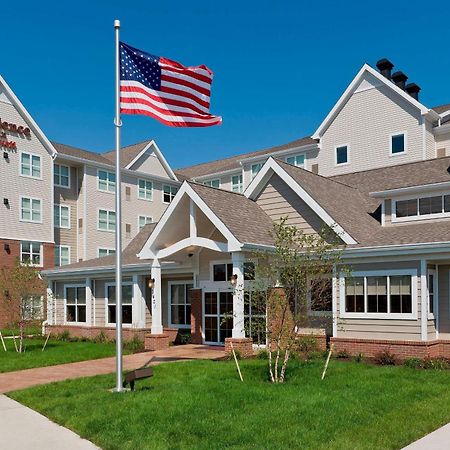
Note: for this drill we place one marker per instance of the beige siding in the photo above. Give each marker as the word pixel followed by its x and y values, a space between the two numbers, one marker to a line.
pixel 444 302
pixel 14 185
pixel 150 164
pixel 365 124
pixel 381 328
pixel 443 141
pixel 278 200
pixel 429 141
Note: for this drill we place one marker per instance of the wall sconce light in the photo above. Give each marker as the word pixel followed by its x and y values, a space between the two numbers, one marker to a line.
pixel 6 155
pixel 233 279
pixel 151 283
pixel 6 201
pixel 7 248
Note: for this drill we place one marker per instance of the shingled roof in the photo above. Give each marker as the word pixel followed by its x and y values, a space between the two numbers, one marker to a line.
pixel 80 153
pixel 127 154
pixel 223 165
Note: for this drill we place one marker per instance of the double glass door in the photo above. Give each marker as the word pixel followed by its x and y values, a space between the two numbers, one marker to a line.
pixel 218 314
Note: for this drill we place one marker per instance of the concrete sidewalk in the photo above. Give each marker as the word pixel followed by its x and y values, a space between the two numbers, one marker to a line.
pixel 437 440
pixel 21 428
pixel 12 381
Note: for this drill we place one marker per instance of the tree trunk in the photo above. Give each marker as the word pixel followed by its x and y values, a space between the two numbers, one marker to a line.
pixel 283 367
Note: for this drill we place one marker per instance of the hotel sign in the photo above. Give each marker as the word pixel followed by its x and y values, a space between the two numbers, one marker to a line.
pixel 12 128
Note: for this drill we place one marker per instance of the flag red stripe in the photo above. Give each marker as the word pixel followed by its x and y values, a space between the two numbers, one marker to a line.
pixel 164 101
pixel 189 73
pixel 186 83
pixel 182 93
pixel 176 65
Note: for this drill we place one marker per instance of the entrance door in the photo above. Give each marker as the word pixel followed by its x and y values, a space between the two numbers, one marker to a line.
pixel 218 316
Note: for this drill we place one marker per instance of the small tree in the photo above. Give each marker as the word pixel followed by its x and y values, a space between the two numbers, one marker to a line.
pixel 293 280
pixel 20 285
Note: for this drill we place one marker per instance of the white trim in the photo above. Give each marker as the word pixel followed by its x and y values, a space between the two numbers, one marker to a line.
pixel 169 301
pixel 113 324
pixel 265 156
pixel 405 143
pixel 239 185
pixel 350 90
pixel 442 186
pixel 335 281
pixel 192 241
pixel 41 168
pixel 379 273
pixel 138 189
pixel 423 300
pixel 41 252
pixel 106 191
pixel 230 172
pixel 433 316
pixel 347 146
pixel 75 285
pixel 21 197
pixel 271 166
pixel 295 156
pixel 58 225
pixel 70 176
pixel 171 187
pixel 84 187
pixel 383 212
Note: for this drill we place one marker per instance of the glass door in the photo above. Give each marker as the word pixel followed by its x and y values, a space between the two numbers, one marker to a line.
pixel 218 315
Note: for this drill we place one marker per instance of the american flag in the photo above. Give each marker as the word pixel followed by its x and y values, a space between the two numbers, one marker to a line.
pixel 175 95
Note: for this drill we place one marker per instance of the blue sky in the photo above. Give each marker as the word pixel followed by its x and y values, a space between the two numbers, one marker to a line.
pixel 279 66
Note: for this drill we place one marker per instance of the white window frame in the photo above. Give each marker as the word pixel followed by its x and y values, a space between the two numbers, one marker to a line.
pixel 227 261
pixel 405 139
pixel 169 297
pixel 76 304
pixel 33 298
pixel 125 325
pixel 440 215
pixel 433 315
pixel 22 197
pixel 40 177
pixel 69 255
pixel 210 182
pixel 335 155
pixel 59 176
pixel 109 211
pixel 379 273
pixel 252 174
pixel 108 249
pixel 297 155
pixel 145 217
pixel 172 195
pixel 41 254
pixel 239 186
pixel 108 182
pixel 145 190
pixel 59 206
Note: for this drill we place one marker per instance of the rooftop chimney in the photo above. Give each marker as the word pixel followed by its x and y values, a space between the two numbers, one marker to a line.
pixel 399 78
pixel 385 67
pixel 413 90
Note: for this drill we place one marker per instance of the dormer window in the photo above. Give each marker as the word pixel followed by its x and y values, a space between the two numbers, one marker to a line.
pixel 212 183
pixel 297 160
pixel 255 169
pixel 398 143
pixel 341 155
pixel 429 207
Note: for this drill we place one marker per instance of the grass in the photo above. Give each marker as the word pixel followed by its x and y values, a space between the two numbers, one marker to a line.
pixel 203 405
pixel 56 352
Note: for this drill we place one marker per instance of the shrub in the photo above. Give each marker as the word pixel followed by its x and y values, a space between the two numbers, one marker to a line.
pixel 343 354
pixel 262 354
pixel 359 357
pixel 63 336
pixel 435 363
pixel 101 338
pixel 183 337
pixel 413 363
pixel 134 345
pixel 385 358
pixel 307 344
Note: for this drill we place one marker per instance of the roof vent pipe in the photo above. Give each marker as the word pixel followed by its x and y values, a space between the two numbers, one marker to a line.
pixel 385 67
pixel 399 78
pixel 413 90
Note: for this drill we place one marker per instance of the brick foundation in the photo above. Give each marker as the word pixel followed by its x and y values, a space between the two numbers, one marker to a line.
pixel 401 349
pixel 93 332
pixel 243 345
pixel 319 335
pixel 196 316
pixel 156 341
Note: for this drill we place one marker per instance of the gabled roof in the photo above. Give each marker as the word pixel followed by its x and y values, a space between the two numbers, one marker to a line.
pixel 127 154
pixel 233 162
pixel 366 69
pixel 75 152
pixel 441 108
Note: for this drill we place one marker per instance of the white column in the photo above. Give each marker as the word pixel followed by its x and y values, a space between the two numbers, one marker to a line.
pixel 88 302
pixel 334 287
pixel 138 305
pixel 50 304
pixel 237 259
pixel 424 300
pixel 192 219
pixel 157 327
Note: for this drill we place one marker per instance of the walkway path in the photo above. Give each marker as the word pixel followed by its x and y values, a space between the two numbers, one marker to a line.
pixel 21 379
pixel 437 440
pixel 21 428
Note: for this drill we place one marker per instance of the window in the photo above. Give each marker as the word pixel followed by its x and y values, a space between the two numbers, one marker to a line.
pixel 145 190
pixel 224 271
pixel 212 183
pixel 236 183
pixel 105 252
pixel 255 169
pixel 76 304
pixel 297 160
pixel 255 316
pixel 144 220
pixel 106 181
pixel 169 193
pixel 30 165
pixel 62 216
pixel 342 155
pixel 30 210
pixel 62 255
pixel 431 291
pixel 180 303
pixel 417 208
pixel 106 220
pixel 381 295
pixel 127 299
pixel 61 175
pixel 397 144
pixel 32 307
pixel 31 253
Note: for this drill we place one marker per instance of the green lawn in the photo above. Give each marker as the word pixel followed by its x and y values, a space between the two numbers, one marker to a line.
pixel 56 352
pixel 203 405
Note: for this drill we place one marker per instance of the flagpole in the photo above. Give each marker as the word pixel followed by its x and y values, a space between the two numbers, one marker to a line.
pixel 118 124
